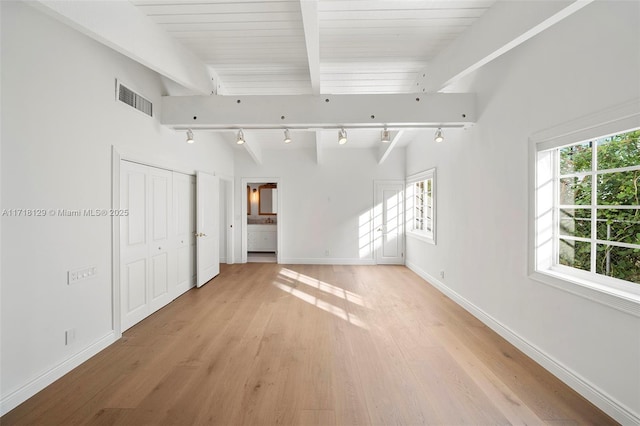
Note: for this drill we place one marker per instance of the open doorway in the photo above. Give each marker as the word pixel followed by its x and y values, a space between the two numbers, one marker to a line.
pixel 261 220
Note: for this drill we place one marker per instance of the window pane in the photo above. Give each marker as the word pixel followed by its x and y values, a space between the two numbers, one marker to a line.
pixel 619 262
pixel 619 189
pixel 575 191
pixel 617 225
pixel 419 206
pixel 617 151
pixel 575 158
pixel 575 222
pixel 576 254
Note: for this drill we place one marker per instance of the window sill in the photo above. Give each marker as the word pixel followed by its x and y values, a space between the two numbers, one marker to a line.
pixel 421 237
pixel 621 300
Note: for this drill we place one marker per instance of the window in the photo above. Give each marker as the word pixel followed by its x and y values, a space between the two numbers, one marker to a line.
pixel 598 209
pixel 421 206
pixel 586 222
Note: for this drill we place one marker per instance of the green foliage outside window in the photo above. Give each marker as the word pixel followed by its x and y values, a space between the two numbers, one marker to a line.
pixel 614 189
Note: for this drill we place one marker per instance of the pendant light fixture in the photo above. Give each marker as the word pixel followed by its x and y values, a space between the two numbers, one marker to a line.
pixel 287 136
pixel 342 136
pixel 240 139
pixel 190 136
pixel 438 137
pixel 384 138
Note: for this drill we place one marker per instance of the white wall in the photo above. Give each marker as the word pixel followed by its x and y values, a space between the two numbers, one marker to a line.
pixel 585 64
pixel 59 122
pixel 321 204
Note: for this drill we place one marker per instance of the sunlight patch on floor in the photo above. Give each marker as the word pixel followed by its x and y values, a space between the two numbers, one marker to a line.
pixel 323 286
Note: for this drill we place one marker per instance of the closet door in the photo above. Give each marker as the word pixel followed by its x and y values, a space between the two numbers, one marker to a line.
pixel 147 249
pixel 160 192
pixel 134 242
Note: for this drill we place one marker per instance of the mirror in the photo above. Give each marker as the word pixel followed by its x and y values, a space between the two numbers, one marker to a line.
pixel 248 201
pixel 268 204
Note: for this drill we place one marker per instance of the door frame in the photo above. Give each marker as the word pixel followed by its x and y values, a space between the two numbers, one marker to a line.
pixel 243 219
pixel 229 183
pixel 377 185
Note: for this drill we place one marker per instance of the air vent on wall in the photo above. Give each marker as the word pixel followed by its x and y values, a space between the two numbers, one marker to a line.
pixel 133 99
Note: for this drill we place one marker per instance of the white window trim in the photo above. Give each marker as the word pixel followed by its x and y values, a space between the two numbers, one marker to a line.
pixel 602 289
pixel 417 177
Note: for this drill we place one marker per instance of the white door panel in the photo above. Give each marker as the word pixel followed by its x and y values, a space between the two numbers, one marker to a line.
pixel 207 218
pixel 134 275
pixel 389 223
pixel 160 192
pixel 146 245
pixel 135 278
pixel 184 194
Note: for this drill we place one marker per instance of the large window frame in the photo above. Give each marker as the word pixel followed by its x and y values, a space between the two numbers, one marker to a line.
pixel 421 206
pixel 545 208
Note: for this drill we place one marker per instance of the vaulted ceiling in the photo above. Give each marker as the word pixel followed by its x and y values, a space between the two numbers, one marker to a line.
pixel 358 64
pixel 349 46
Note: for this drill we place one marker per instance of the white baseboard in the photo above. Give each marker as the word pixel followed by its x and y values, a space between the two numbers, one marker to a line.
pixel 17 397
pixel 326 261
pixel 599 398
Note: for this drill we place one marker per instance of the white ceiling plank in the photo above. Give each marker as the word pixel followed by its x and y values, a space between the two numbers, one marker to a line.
pixel 122 27
pixel 397 23
pixel 504 27
pixel 309 9
pixel 384 5
pixel 232 26
pixel 387 148
pixel 239 19
pixel 160 2
pixel 240 34
pixel 217 8
pixel 252 91
pixel 414 14
pixel 303 112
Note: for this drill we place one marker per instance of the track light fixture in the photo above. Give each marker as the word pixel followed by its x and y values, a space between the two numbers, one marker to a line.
pixel 287 136
pixel 342 136
pixel 189 136
pixel 384 138
pixel 240 139
pixel 438 137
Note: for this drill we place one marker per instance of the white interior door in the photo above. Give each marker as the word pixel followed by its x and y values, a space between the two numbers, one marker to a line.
pixel 389 223
pixel 146 252
pixel 133 244
pixel 160 199
pixel 208 227
pixel 184 196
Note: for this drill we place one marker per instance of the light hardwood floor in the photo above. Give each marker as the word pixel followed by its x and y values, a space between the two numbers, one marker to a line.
pixel 267 344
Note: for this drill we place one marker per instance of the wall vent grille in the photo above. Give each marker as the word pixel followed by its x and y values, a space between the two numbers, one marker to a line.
pixel 133 99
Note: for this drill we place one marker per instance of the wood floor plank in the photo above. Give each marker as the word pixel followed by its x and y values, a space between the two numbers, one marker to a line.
pixel 267 344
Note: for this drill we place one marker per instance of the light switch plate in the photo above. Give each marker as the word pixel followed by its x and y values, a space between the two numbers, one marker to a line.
pixel 81 274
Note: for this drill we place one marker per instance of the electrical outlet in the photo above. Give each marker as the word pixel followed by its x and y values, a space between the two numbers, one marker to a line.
pixel 69 336
pixel 81 274
pixel 442 274
pixel 327 252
